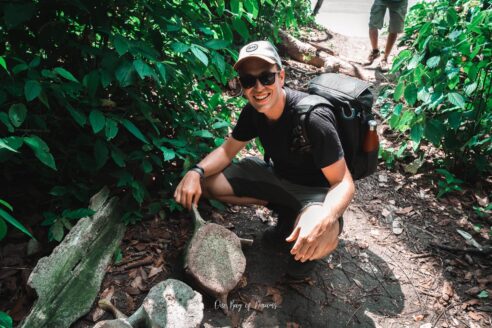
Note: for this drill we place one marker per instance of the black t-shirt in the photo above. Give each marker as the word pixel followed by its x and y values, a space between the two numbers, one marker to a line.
pixel 275 137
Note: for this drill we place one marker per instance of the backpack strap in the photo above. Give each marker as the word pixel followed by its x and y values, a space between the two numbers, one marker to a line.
pixel 300 140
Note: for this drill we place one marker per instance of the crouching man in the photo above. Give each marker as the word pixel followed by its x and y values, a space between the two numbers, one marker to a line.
pixel 309 191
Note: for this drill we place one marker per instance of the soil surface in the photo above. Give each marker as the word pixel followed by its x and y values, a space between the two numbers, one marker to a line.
pixel 401 261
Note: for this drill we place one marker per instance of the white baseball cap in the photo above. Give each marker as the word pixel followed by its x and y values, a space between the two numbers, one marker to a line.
pixel 259 49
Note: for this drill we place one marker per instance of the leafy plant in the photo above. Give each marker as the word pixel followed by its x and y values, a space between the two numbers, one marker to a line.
pixel 121 93
pixel 5 320
pixel 443 93
pixel 450 183
pixel 6 217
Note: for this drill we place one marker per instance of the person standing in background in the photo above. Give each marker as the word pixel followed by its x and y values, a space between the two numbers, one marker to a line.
pixel 397 11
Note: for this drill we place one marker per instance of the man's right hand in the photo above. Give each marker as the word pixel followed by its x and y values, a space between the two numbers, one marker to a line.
pixel 189 190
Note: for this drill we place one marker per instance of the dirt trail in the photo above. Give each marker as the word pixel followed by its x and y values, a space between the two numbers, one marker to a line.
pixel 385 272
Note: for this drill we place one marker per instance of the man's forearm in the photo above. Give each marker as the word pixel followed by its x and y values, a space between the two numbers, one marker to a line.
pixel 215 162
pixel 338 199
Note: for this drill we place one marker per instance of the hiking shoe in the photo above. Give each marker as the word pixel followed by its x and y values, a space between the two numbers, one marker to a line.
pixel 372 56
pixel 298 270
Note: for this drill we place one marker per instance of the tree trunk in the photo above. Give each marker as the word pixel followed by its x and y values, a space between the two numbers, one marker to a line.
pixel 319 3
pixel 309 54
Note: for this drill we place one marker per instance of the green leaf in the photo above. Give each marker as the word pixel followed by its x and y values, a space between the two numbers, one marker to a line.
pixel 65 74
pixel 3 145
pixel 17 114
pixel 219 62
pixel 180 47
pixel 161 68
pixel 169 154
pixel 91 82
pixel 56 231
pixel 146 166
pixel 111 129
pixel 118 156
pixel 200 55
pixel 3 64
pixel 121 45
pixel 434 131
pixel 7 205
pixel 78 213
pixel 124 74
pixel 118 255
pixel 32 89
pixel 433 61
pixel 252 7
pixel 398 91
pixel 10 219
pixel 236 7
pixel 101 153
pixel 241 28
pixel 134 130
pixel 218 205
pixel 97 120
pixel 143 69
pixel 217 44
pixel 416 133
pixel 41 150
pixel 220 125
pixel 456 99
pixel 469 89
pixel 4 118
pixel 138 191
pixel 77 115
pixel 410 94
pixel 11 143
pixel 3 233
pixel 483 294
pixel 203 134
pixel 5 320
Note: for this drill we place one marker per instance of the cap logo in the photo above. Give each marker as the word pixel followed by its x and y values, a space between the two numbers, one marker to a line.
pixel 251 48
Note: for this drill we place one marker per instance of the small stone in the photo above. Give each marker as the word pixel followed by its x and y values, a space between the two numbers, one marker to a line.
pixel 117 323
pixel 426 325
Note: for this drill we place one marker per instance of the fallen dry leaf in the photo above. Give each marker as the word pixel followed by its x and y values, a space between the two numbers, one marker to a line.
pixel 419 317
pixel 405 210
pixel 292 325
pixel 385 212
pixel 477 316
pixel 154 271
pixel 482 201
pixel 473 290
pixel 138 283
pixel 107 295
pixel 471 302
pixel 243 282
pixel 275 293
pixel 447 291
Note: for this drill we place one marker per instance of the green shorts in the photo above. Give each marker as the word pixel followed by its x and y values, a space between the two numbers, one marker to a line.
pixel 397 12
pixel 252 177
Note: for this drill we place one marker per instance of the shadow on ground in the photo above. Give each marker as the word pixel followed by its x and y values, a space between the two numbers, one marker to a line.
pixel 345 289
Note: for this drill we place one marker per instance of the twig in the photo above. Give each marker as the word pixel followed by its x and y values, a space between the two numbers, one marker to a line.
pixel 246 242
pixel 145 261
pixel 419 256
pixel 423 230
pixel 429 293
pixel 440 315
pixel 411 282
pixel 353 314
pixel 485 251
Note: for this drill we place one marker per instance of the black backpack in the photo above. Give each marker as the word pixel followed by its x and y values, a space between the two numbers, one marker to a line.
pixel 351 101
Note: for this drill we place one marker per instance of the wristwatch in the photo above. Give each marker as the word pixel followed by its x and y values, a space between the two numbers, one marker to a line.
pixel 198 169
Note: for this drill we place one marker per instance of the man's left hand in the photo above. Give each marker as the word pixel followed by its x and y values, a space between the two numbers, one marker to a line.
pixel 313 238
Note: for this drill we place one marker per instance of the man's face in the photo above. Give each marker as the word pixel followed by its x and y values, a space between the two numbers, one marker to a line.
pixel 263 97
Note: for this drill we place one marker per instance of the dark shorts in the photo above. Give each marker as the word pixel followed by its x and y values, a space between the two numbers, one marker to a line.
pixel 252 177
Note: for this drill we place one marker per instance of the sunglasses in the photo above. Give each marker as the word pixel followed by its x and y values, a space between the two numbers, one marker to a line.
pixel 265 78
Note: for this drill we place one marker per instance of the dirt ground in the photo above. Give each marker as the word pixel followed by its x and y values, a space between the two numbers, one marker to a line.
pixel 400 261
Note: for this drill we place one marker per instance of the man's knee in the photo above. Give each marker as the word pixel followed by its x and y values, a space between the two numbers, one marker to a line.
pixel 216 186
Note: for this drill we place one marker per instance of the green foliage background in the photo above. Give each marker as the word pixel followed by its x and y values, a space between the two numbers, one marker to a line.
pixel 120 93
pixel 443 92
